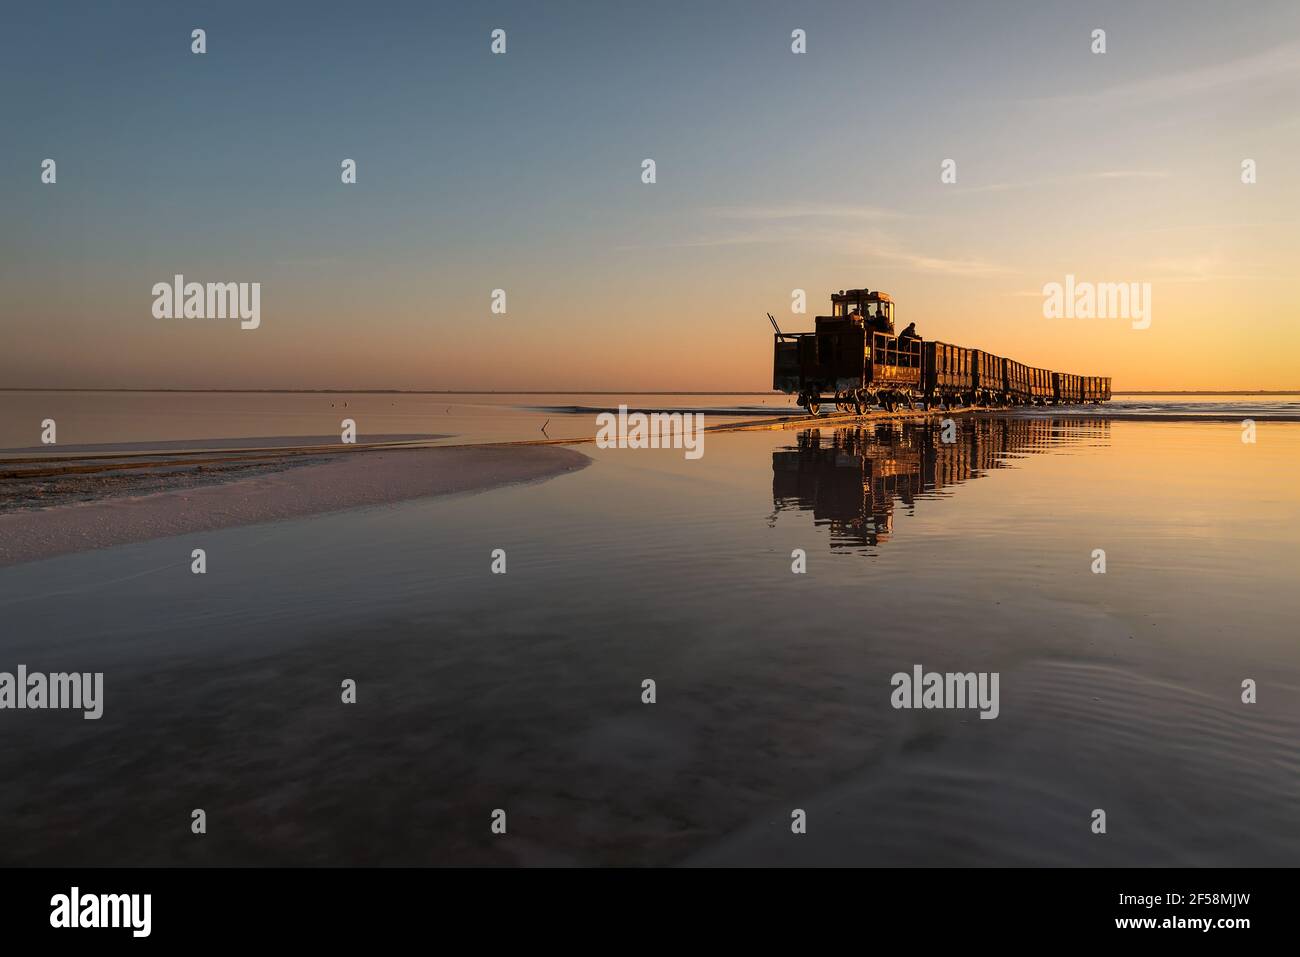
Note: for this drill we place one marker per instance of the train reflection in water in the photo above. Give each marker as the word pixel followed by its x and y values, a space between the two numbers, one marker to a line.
pixel 850 478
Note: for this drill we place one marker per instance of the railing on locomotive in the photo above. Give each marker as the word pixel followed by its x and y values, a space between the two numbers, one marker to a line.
pixel 887 350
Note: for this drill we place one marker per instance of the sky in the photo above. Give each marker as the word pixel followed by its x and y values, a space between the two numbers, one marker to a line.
pixel 775 171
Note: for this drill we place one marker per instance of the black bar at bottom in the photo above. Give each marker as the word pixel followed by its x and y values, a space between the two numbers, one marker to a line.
pixel 334 907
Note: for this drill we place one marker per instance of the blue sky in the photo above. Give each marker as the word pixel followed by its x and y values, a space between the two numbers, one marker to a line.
pixel 521 171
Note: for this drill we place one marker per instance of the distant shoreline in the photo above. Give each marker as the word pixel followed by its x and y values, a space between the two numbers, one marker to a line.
pixel 583 391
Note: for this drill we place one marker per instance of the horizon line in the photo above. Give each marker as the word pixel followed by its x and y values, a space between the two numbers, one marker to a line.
pixel 772 392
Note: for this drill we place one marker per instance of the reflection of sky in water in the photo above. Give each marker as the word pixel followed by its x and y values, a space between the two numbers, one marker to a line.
pixel 522 691
pixel 153 417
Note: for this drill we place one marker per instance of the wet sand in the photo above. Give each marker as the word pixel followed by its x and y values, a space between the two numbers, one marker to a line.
pixel 99 510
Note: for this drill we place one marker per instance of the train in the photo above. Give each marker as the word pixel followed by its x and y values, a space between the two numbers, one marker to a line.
pixel 854 359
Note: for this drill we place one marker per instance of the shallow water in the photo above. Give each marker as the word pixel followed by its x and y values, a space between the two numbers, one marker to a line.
pixel 202 419
pixel 209 419
pixel 1118 691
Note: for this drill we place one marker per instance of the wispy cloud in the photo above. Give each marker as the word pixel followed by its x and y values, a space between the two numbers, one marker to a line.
pixel 1129 174
pixel 1196 269
pixel 824 228
pixel 1279 63
pixel 1184 267
pixel 1115 174
pixel 904 259
pixel 1166 270
pixel 803 211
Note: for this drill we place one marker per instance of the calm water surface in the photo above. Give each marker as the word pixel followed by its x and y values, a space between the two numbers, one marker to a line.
pixel 89 418
pixel 523 691
pixel 92 418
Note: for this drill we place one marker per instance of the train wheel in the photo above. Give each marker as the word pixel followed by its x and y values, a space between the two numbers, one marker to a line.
pixel 813 405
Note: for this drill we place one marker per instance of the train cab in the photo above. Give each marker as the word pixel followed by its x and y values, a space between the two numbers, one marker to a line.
pixel 870 306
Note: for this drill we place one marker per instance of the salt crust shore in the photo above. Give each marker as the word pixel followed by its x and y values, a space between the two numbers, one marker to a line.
pixel 345 480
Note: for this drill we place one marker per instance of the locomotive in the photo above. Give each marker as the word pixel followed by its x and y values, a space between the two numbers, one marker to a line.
pixel 855 358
